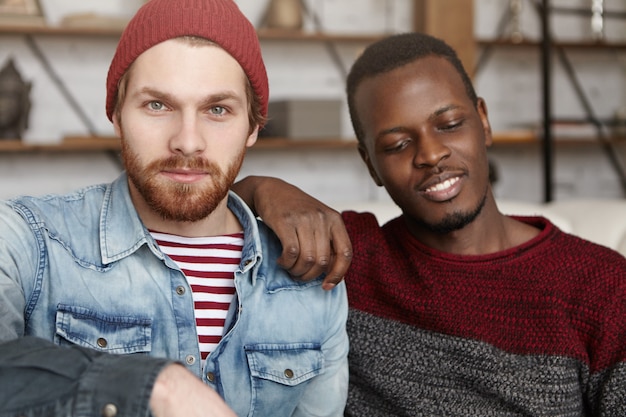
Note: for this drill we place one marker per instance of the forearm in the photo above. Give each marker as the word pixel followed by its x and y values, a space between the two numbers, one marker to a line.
pixel 19 263
pixel 40 378
pixel 245 188
pixel 313 235
pixel 252 186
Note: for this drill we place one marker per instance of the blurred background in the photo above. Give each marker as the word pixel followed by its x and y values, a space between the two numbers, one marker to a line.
pixel 62 48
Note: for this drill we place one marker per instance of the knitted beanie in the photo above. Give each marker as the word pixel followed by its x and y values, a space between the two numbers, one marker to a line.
pixel 220 21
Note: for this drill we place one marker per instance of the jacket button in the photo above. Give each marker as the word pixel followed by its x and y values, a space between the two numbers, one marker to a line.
pixel 109 410
pixel 211 377
pixel 190 359
pixel 289 373
pixel 180 290
pixel 102 342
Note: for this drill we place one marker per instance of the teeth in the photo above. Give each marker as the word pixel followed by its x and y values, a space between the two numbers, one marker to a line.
pixel 442 185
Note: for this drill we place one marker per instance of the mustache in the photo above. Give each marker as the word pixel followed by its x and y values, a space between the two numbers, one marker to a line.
pixel 182 162
pixel 178 161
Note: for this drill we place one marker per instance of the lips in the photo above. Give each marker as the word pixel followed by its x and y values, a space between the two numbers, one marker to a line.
pixel 442 188
pixel 185 176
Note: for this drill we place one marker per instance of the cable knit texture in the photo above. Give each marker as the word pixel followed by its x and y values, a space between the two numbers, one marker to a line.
pixel 537 330
pixel 220 21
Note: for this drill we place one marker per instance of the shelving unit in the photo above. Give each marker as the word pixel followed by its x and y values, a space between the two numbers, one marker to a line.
pixel 96 143
pixel 549 48
pixel 487 45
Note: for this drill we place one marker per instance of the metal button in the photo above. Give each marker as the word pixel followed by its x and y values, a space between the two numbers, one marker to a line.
pixel 190 359
pixel 180 290
pixel 211 377
pixel 102 342
pixel 288 373
pixel 109 410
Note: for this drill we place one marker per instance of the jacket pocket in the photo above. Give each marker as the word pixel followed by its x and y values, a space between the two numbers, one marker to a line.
pixel 287 364
pixel 103 332
pixel 280 374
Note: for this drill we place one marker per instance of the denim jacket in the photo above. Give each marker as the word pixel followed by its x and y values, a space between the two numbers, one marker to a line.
pixel 81 269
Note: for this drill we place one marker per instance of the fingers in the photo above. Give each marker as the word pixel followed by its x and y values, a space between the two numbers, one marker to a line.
pixel 341 260
pixel 318 245
pixel 306 253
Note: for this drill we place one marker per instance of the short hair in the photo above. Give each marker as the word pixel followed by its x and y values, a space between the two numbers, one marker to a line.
pixel 396 51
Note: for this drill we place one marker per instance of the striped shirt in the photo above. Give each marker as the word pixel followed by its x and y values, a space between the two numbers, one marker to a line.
pixel 209 264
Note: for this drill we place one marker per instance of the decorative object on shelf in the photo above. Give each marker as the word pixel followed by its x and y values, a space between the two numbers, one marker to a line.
pixel 597 20
pixel 304 119
pixel 619 123
pixel 14 102
pixel 515 21
pixel 284 15
pixel 21 12
pixel 94 20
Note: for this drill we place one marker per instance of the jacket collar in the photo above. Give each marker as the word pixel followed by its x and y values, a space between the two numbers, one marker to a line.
pixel 122 232
pixel 121 229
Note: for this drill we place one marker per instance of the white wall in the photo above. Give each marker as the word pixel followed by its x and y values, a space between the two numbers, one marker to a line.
pixel 510 83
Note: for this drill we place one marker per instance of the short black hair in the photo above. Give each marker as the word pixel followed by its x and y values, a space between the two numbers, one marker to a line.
pixel 393 52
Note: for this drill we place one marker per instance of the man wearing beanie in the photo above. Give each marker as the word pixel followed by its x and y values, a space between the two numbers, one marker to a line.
pixel 160 293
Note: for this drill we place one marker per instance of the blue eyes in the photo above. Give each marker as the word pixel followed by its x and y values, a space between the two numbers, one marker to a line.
pixel 214 110
pixel 217 110
pixel 156 105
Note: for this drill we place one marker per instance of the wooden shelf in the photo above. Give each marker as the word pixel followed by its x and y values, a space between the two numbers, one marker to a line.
pixel 59 31
pixel 101 143
pixel 264 34
pixel 311 144
pixel 96 144
pixel 69 144
pixel 517 137
pixel 514 137
pixel 586 45
pixel 285 35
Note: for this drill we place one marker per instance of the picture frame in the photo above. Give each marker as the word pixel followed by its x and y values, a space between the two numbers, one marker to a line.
pixel 21 12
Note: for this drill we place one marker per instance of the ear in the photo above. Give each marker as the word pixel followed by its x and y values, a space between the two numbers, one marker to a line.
pixel 116 125
pixel 252 137
pixel 366 158
pixel 481 107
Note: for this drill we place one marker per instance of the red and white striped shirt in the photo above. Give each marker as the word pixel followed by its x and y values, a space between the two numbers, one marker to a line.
pixel 209 264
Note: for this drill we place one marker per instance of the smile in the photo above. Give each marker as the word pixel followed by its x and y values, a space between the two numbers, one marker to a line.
pixel 442 186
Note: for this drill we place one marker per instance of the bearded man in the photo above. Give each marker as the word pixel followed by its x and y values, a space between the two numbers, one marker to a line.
pixel 166 262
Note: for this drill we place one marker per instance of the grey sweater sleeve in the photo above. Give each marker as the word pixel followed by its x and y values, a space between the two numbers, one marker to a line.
pixel 40 379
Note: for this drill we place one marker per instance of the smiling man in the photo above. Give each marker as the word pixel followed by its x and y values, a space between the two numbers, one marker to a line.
pixel 455 308
pixel 165 262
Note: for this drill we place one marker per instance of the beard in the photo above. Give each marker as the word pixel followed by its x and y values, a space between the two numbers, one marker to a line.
pixel 454 221
pixel 176 201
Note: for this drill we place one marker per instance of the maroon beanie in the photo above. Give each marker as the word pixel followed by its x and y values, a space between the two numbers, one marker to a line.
pixel 220 21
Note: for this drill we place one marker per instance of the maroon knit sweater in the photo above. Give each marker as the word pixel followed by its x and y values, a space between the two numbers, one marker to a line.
pixel 537 330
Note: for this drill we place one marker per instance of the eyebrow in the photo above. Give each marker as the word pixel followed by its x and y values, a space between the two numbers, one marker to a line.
pixel 210 99
pixel 444 109
pixel 400 129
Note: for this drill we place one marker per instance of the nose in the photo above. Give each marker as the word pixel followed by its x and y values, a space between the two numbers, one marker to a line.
pixel 187 138
pixel 430 150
